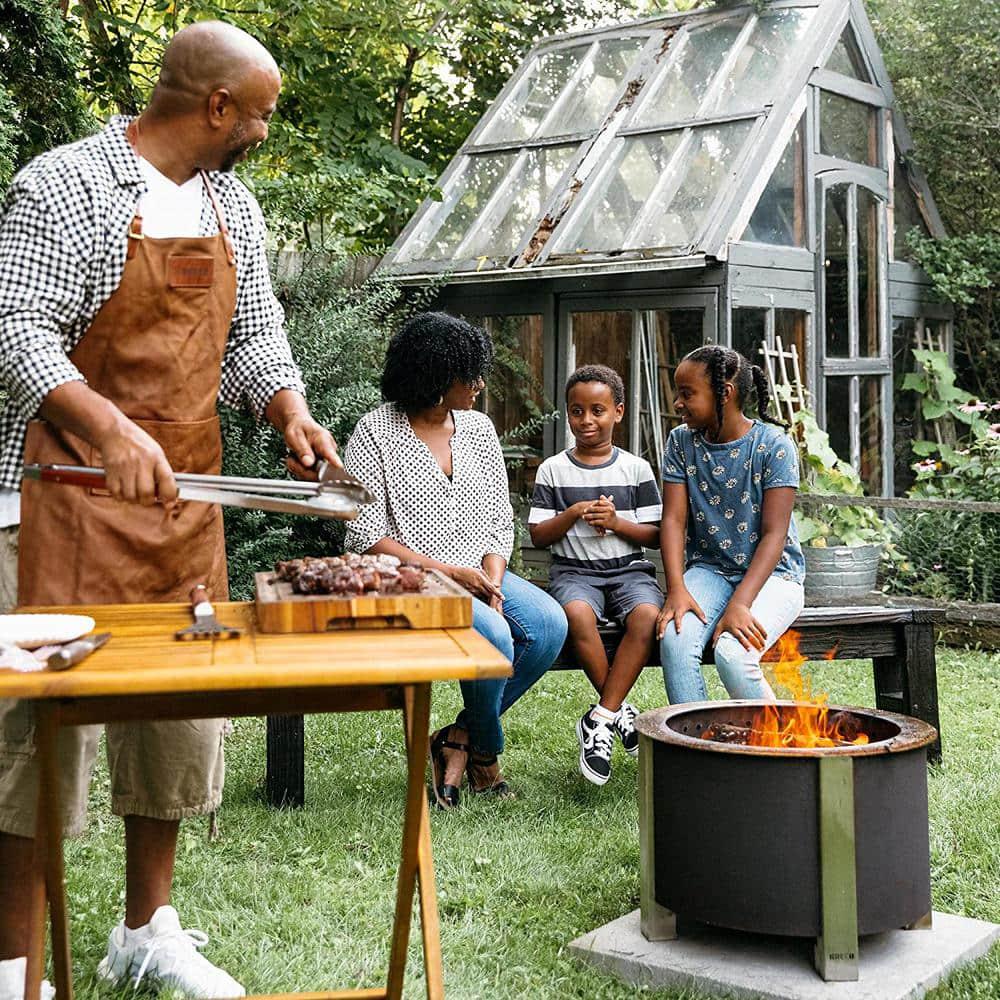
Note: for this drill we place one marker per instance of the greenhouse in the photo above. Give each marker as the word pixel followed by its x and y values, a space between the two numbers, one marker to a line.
pixel 719 176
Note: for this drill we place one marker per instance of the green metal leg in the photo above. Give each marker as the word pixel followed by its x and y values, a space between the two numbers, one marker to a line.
pixel 657 923
pixel 837 945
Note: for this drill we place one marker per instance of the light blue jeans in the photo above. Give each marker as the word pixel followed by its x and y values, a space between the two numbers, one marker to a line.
pixel 777 605
pixel 530 633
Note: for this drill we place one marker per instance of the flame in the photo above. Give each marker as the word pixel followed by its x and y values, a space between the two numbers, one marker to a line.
pixel 807 723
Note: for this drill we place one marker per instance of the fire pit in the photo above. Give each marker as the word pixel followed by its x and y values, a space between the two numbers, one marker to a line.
pixel 787 818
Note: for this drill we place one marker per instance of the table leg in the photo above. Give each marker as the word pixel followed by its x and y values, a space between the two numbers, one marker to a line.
pixel 49 858
pixel 409 862
pixel 427 887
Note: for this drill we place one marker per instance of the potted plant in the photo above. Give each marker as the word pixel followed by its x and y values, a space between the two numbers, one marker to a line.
pixel 842 545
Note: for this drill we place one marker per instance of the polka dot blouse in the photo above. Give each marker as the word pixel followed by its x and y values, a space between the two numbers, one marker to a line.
pixel 456 521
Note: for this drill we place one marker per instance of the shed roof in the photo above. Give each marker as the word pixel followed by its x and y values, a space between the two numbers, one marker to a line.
pixel 649 143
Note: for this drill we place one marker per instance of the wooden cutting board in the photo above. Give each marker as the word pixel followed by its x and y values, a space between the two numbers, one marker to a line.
pixel 441 604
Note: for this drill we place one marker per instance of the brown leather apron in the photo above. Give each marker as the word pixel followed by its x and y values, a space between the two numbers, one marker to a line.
pixel 155 350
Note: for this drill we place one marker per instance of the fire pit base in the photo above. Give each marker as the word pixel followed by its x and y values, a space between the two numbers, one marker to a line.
pixel 895 965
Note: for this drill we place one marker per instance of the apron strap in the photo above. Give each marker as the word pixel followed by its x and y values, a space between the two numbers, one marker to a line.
pixel 226 239
pixel 135 235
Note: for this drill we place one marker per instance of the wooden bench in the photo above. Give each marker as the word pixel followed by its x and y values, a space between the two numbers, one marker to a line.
pixel 898 641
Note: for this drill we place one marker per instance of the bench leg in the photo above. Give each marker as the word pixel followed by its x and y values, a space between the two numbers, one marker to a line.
pixel 920 664
pixel 285 785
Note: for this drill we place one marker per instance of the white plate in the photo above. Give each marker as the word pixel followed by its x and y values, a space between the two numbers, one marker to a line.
pixel 31 631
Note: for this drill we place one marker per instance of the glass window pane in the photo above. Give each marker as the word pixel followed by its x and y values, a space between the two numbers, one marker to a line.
pixel 779 217
pixel 591 97
pixel 515 393
pixel 836 304
pixel 466 196
pixel 706 163
pixel 749 333
pixel 757 76
pixel 618 195
pixel 500 235
pixel 680 90
pixel 847 129
pixel 871 471
pixel 790 328
pixel 838 415
pixel 537 91
pixel 604 338
pixel 869 301
pixel 678 333
pixel 846 57
pixel 906 213
pixel 906 421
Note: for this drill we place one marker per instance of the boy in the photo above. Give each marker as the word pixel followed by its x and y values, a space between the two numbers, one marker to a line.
pixel 597 506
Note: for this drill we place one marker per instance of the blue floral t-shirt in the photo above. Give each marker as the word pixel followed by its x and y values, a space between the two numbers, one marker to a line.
pixel 725 484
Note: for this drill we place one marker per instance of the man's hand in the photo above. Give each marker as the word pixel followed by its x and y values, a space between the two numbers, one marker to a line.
pixel 307 441
pixel 135 467
pixel 742 626
pixel 675 607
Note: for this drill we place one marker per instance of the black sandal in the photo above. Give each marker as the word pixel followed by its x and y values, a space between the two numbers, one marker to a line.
pixel 496 788
pixel 445 796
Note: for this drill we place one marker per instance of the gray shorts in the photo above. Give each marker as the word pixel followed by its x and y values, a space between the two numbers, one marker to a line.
pixel 613 594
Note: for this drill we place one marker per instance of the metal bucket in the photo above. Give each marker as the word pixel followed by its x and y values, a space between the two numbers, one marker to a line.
pixel 840 571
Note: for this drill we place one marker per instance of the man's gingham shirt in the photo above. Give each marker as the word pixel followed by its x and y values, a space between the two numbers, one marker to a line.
pixel 63 227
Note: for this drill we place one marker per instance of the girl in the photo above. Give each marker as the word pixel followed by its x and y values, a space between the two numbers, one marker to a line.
pixel 728 483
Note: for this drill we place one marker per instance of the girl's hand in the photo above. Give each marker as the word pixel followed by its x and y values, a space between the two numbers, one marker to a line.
pixel 601 514
pixel 475 581
pixel 676 606
pixel 742 626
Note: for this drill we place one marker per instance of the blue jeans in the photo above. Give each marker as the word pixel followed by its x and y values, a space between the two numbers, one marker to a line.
pixel 777 605
pixel 530 633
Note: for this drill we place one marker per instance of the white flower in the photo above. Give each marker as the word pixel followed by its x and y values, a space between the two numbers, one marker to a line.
pixel 755 508
pixel 746 464
pixel 691 470
pixel 695 555
pixel 713 529
pixel 742 526
pixel 670 468
pixel 725 543
pixel 718 470
pixel 976 407
pixel 704 543
pixel 734 453
pixel 744 496
pixel 761 449
pixel 756 477
pixel 780 453
pixel 730 483
pixel 700 516
pixel 703 486
pixel 715 501
pixel 754 537
pixel 729 514
pixel 994 431
pixel 927 465
pixel 741 558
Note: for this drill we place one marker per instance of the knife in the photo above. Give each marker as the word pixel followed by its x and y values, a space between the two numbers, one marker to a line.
pixel 73 652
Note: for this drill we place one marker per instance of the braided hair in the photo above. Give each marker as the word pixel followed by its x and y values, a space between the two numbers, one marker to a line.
pixel 726 365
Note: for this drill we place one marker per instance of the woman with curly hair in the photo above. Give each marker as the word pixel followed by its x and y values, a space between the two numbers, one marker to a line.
pixel 442 501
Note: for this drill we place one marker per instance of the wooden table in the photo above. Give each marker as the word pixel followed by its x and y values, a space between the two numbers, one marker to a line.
pixel 144 673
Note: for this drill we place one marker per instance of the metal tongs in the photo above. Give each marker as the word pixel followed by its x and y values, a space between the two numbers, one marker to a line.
pixel 336 494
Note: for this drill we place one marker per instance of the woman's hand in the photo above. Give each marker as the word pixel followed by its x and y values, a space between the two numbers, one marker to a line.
pixel 675 607
pixel 742 626
pixel 476 582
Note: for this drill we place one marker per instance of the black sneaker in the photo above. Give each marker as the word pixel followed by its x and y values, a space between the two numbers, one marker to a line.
pixel 625 728
pixel 596 739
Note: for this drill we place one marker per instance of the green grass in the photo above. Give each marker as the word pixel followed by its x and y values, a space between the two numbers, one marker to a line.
pixel 297 900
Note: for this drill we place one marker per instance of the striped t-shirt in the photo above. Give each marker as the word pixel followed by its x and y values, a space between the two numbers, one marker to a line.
pixel 563 481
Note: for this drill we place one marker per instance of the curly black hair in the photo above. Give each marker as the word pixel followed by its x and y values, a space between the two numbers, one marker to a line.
pixel 428 355
pixel 726 365
pixel 598 373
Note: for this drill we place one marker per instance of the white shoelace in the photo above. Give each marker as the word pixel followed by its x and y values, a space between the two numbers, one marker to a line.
pixel 626 719
pixel 186 937
pixel 600 738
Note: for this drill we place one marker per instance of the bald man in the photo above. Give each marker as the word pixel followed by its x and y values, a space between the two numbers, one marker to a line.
pixel 134 295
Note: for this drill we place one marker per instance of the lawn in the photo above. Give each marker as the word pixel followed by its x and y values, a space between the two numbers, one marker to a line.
pixel 303 900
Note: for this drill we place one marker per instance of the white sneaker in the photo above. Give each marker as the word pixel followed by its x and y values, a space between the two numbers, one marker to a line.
pixel 12 973
pixel 167 955
pixel 595 736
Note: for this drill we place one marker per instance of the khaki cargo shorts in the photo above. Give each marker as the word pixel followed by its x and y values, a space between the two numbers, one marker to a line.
pixel 163 770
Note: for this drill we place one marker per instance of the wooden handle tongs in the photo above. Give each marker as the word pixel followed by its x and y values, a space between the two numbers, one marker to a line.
pixel 335 494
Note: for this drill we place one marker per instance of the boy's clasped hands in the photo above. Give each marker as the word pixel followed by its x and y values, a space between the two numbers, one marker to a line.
pixel 600 514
